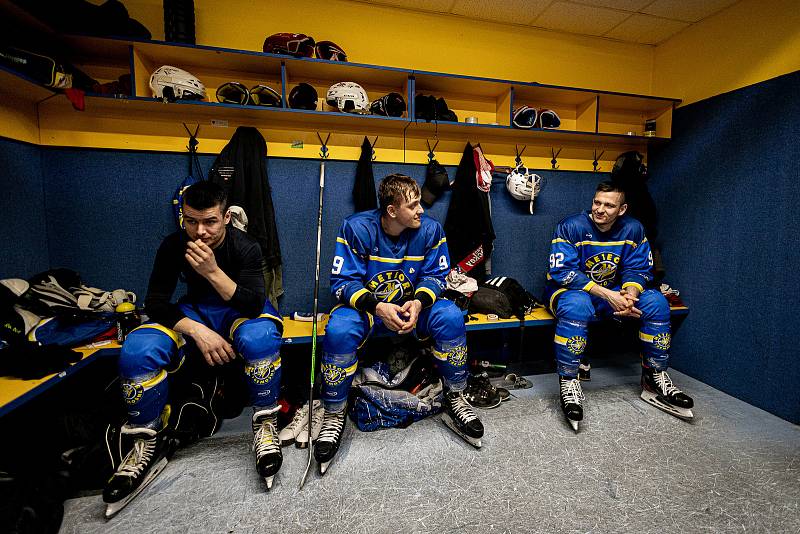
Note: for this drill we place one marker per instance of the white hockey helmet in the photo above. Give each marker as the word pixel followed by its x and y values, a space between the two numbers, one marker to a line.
pixel 524 185
pixel 171 84
pixel 349 97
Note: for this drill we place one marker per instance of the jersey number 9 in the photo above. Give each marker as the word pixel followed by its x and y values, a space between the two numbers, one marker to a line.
pixel 338 261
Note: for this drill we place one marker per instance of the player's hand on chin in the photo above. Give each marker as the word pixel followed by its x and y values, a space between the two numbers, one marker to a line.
pixel 201 257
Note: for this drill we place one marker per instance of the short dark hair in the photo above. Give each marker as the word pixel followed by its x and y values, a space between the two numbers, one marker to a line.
pixel 610 187
pixel 204 195
pixel 395 189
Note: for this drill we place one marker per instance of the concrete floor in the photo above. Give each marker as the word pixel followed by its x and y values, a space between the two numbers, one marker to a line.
pixel 631 468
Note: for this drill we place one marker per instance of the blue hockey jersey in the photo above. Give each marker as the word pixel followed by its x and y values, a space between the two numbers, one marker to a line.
pixel 582 256
pixel 394 270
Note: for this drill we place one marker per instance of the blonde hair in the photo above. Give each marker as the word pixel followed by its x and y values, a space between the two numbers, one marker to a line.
pixel 396 189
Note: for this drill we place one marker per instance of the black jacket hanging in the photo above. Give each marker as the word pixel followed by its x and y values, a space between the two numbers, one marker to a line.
pixel 364 197
pixel 468 225
pixel 241 169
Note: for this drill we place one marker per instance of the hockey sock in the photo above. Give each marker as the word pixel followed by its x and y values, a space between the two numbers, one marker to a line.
pixel 569 342
pixel 655 339
pixel 451 360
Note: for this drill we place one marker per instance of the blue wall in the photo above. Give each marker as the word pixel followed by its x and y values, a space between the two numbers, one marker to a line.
pixel 728 187
pixel 22 216
pixel 107 211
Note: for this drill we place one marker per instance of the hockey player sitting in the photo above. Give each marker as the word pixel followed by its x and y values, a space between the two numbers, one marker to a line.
pixel 601 265
pixel 224 315
pixel 388 271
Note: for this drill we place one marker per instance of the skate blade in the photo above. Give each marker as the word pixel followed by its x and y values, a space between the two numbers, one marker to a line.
pixel 681 413
pixel 475 442
pixel 323 467
pixel 113 508
pixel 268 482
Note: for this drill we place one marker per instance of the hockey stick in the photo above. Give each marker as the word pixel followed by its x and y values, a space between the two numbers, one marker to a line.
pixel 314 324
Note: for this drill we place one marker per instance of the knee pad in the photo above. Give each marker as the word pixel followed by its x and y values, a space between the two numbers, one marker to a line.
pixel 346 330
pixel 445 322
pixel 150 348
pixel 145 396
pixel 575 306
pixel 255 338
pixel 654 306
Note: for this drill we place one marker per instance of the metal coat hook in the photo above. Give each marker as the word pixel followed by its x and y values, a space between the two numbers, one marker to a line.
pixel 431 155
pixel 518 158
pixel 372 146
pixel 597 156
pixel 193 142
pixel 554 161
pixel 323 151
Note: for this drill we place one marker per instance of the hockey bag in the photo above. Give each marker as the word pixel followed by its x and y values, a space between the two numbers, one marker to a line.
pixel 61 292
pixel 376 401
pixel 504 297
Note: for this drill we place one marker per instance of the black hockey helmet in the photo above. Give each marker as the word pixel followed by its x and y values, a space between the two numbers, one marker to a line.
pixel 391 105
pixel 330 51
pixel 290 44
pixel 303 96
pixel 233 93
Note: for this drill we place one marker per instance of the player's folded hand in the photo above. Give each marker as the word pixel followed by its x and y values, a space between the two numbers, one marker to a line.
pixel 215 349
pixel 392 315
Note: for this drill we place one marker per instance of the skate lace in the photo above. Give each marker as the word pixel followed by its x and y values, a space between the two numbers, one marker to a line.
pixel 266 439
pixel 332 424
pixel 664 383
pixel 571 391
pixel 138 459
pixel 299 418
pixel 461 409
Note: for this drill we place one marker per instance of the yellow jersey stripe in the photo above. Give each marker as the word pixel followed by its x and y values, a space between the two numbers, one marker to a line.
pixel 634 284
pixel 173 335
pixel 396 260
pixel 646 337
pixel 437 245
pixel 606 243
pixel 559 240
pixel 589 286
pixel 147 384
pixel 355 296
pixel 426 290
pixel 560 340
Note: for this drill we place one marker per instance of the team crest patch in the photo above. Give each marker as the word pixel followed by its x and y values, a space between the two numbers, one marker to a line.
pixel 390 286
pixel 333 375
pixel 602 268
pixel 132 392
pixel 457 356
pixel 261 372
pixel 662 340
pixel 576 344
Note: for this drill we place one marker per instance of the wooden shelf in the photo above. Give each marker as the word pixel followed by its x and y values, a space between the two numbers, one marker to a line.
pixel 21 87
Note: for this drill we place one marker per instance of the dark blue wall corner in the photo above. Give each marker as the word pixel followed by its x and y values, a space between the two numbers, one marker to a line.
pixel 727 187
pixel 22 211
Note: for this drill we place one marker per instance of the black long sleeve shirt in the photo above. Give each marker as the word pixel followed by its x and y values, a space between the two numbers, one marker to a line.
pixel 239 256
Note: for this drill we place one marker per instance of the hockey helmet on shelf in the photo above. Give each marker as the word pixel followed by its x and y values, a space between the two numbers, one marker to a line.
pixel 549 119
pixel 303 96
pixel 233 93
pixel 525 117
pixel 262 95
pixel 348 97
pixel 391 105
pixel 290 44
pixel 330 51
pixel 171 84
pixel 524 185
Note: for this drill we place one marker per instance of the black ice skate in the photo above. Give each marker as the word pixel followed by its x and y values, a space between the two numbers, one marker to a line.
pixel 571 400
pixel 301 441
pixel 585 372
pixel 330 436
pixel 141 466
pixel 658 390
pixel 267 444
pixel 461 418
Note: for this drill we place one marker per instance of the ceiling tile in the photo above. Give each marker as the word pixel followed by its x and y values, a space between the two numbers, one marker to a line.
pixel 646 29
pixel 624 5
pixel 438 6
pixel 509 11
pixel 690 11
pixel 577 18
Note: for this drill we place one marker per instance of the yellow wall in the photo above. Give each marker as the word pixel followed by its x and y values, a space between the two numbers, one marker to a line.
pixel 414 40
pixel 750 42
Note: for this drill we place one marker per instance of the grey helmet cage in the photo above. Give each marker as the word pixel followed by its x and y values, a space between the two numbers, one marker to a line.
pixel 171 83
pixel 349 97
pixel 524 185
